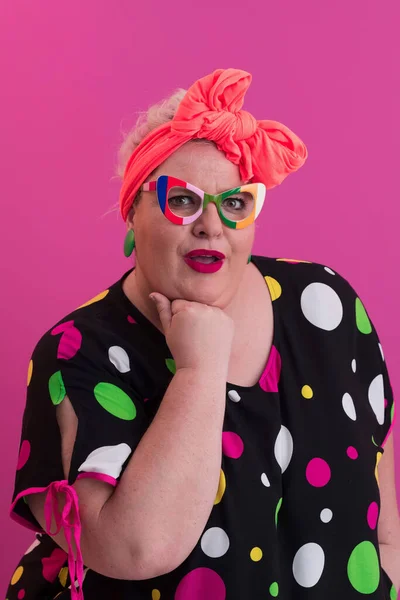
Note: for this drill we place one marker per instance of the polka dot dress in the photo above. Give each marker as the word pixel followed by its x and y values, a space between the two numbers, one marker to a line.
pixel 296 511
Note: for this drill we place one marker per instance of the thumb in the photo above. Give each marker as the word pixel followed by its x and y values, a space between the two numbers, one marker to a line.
pixel 163 306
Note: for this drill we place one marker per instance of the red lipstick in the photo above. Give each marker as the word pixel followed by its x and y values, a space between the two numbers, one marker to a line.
pixel 204 261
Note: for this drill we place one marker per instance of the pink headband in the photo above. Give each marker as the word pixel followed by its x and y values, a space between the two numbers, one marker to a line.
pixel 266 151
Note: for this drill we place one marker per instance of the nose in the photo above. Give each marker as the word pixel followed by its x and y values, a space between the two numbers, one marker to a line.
pixel 208 224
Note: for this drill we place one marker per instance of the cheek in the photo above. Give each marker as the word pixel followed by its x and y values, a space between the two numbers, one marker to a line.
pixel 242 241
pixel 161 239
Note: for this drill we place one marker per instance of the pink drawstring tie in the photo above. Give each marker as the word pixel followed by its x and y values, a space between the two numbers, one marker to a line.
pixel 72 529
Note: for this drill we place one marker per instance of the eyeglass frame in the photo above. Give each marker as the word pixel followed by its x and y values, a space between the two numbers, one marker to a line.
pixel 164 183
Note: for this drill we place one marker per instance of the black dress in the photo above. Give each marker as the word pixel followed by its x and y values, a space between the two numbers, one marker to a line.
pixel 296 512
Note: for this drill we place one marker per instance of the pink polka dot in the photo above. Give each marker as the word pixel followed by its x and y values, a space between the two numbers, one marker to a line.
pixel 200 584
pixel 51 565
pixel 318 472
pixel 23 454
pixel 131 319
pixel 270 377
pixel 21 594
pixel 70 341
pixel 232 444
pixel 386 403
pixel 352 452
pixel 372 515
pixel 146 400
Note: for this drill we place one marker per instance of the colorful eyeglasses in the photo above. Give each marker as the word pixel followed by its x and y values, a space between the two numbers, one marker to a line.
pixel 182 203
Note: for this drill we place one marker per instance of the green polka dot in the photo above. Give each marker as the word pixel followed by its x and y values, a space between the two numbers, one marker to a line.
pixel 57 388
pixel 278 507
pixel 115 401
pixel 392 413
pixel 274 589
pixel 393 593
pixel 363 568
pixel 362 320
pixel 171 365
pixel 374 442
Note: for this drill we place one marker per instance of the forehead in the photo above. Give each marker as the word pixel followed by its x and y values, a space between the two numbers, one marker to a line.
pixel 202 165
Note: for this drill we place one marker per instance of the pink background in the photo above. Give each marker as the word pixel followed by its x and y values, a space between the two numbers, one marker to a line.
pixel 74 73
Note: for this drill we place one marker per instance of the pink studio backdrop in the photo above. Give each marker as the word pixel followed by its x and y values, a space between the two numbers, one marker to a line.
pixel 74 73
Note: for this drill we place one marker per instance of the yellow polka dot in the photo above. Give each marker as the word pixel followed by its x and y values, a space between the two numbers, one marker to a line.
pixel 274 287
pixel 155 595
pixel 62 576
pixel 30 371
pixel 307 392
pixel 97 298
pixel 256 554
pixel 17 575
pixel 294 260
pixel 221 488
pixel 378 458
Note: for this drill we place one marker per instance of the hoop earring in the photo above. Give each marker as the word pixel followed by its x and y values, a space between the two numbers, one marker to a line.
pixel 129 243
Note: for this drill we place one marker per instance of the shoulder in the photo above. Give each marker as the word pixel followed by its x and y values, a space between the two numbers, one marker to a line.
pixel 300 272
pixel 315 288
pixel 93 320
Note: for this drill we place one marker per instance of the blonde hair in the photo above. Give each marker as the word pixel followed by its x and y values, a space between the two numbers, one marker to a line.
pixel 156 115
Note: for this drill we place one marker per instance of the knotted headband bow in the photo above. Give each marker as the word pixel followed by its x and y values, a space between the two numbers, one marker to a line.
pixel 265 151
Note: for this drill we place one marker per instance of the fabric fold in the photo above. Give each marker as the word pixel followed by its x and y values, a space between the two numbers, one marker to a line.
pixel 266 151
pixel 69 521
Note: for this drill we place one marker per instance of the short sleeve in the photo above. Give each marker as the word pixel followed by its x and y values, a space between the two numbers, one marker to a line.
pixel 370 365
pixel 84 361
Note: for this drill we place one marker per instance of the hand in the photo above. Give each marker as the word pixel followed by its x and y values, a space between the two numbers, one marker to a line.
pixel 199 336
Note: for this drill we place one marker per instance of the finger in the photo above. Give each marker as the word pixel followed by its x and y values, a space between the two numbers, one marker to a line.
pixel 178 305
pixel 163 306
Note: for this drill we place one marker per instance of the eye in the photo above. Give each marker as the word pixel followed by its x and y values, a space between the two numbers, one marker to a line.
pixel 180 200
pixel 234 202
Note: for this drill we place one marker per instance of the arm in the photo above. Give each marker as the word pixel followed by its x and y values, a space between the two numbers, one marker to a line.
pixel 153 519
pixel 389 521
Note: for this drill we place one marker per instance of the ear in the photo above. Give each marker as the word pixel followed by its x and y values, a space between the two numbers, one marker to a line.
pixel 130 218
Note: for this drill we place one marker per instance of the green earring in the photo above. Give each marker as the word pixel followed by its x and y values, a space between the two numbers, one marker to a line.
pixel 129 243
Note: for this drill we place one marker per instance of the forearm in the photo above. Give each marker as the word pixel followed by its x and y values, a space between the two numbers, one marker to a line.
pixel 168 489
pixel 390 559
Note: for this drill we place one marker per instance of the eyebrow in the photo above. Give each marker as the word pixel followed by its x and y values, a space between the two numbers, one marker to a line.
pixel 220 192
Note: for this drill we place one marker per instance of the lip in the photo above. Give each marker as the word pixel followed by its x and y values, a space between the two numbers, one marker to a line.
pixel 205 252
pixel 201 267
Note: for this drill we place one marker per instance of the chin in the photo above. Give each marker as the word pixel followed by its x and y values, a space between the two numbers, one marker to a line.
pixel 210 295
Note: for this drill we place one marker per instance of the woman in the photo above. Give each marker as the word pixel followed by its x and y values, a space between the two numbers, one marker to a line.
pixel 129 396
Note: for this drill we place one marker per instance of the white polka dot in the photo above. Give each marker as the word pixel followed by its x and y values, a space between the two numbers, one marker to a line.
pixel 348 407
pixel 32 546
pixel 283 448
pixel 265 480
pixel 354 365
pixel 326 515
pixel 107 460
pixel 119 359
pixel 321 306
pixel 329 271
pixel 376 397
pixel 234 396
pixel 215 542
pixel 381 349
pixel 308 565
